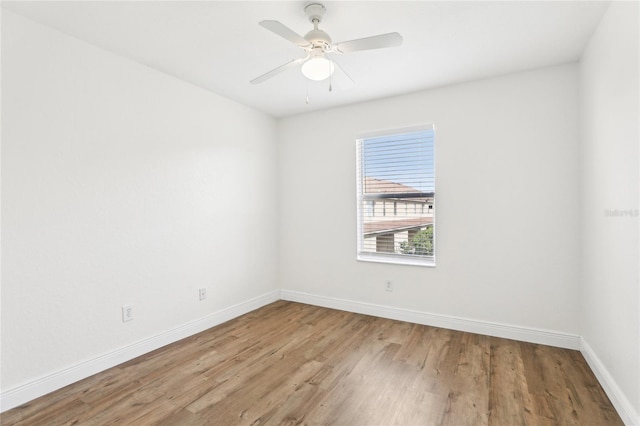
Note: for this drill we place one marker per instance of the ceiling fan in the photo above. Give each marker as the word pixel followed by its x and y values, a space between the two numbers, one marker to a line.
pixel 317 45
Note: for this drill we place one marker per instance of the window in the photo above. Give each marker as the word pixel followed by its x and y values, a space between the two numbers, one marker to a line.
pixel 369 206
pixel 397 167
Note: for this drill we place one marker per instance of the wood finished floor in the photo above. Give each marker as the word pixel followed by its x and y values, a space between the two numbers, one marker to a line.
pixel 289 363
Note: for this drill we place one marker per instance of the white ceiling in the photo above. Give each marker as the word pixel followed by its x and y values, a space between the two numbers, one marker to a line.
pixel 219 46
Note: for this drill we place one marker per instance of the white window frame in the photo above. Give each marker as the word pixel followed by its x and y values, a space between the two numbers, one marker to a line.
pixel 392 258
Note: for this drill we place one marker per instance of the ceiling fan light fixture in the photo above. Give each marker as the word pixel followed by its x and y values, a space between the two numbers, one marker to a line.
pixel 315 66
pixel 318 68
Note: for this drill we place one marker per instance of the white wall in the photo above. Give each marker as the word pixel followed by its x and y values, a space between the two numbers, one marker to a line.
pixel 121 185
pixel 610 320
pixel 507 214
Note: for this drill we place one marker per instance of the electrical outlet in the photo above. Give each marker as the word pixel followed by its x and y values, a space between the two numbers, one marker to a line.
pixel 202 293
pixel 388 285
pixel 127 313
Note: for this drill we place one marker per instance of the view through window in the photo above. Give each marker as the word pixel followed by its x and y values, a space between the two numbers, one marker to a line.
pixel 396 197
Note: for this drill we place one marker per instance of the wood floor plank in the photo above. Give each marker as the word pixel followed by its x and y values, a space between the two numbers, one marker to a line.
pixel 508 400
pixel 290 363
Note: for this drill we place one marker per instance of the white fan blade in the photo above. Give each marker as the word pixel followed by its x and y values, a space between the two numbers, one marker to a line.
pixel 282 30
pixel 276 71
pixel 368 43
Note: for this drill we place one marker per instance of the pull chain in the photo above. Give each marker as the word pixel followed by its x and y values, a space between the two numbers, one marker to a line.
pixel 307 98
pixel 330 79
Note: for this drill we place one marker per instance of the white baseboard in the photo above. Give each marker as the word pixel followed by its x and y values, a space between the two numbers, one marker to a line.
pixel 51 382
pixel 532 335
pixel 624 407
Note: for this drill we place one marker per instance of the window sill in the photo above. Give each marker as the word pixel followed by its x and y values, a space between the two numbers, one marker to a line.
pixel 398 260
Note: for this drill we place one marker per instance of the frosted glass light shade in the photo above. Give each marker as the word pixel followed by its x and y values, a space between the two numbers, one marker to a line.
pixel 318 68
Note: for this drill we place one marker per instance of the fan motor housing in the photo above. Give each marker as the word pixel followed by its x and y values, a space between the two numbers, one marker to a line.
pixel 318 38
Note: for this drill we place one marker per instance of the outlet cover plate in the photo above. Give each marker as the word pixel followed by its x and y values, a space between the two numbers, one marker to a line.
pixel 127 313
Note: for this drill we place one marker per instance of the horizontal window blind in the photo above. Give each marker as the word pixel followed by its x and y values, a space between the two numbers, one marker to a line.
pixel 396 197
